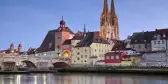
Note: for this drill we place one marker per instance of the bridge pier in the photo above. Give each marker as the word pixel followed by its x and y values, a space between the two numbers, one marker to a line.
pixel 42 65
pixel 9 66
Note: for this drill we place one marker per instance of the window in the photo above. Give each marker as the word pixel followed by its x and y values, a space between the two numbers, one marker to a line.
pixel 107 57
pixel 112 57
pixel 74 61
pixel 155 42
pixel 95 50
pixel 78 53
pixel 78 58
pixel 81 56
pixel 145 45
pixel 158 42
pixel 117 57
pixel 85 50
pixel 139 46
pixel 164 35
pixel 58 37
pixel 162 41
pixel 85 60
pixel 81 61
pixel 85 56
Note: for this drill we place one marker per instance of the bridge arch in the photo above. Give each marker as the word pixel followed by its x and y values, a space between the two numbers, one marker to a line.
pixel 61 65
pixel 30 64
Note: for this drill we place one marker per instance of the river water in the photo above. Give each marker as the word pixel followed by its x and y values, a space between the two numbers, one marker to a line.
pixel 59 78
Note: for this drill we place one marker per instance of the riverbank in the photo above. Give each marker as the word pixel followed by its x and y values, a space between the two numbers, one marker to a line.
pixel 118 70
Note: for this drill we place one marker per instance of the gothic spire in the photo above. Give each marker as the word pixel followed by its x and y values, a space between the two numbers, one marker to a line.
pixel 105 9
pixel 112 11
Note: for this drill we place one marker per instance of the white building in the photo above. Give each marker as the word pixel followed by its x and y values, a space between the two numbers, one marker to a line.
pixel 159 41
pixel 90 49
pixel 154 58
pixel 141 41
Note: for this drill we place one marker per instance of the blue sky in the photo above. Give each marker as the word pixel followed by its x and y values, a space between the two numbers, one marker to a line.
pixel 28 21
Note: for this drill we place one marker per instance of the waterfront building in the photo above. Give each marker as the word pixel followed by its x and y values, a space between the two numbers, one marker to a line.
pixel 109 22
pixel 159 41
pixel 154 58
pixel 113 58
pixel 131 60
pixel 141 41
pixel 52 46
pixel 90 49
pixel 123 56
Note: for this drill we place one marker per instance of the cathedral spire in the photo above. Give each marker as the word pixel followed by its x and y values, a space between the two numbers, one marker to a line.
pixel 112 8
pixel 112 13
pixel 105 9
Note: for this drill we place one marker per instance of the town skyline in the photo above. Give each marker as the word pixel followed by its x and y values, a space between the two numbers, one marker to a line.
pixel 39 20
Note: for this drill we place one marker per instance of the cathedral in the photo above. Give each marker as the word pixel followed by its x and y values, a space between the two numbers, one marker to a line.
pixel 109 23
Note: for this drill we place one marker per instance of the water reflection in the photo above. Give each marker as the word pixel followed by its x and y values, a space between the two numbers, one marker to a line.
pixel 80 79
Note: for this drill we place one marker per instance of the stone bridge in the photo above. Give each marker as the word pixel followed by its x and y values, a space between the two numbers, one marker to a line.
pixel 11 62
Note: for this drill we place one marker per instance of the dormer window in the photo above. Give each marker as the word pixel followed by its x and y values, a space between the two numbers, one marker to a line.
pixel 158 36
pixel 164 35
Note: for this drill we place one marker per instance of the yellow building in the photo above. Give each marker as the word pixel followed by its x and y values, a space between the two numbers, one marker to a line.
pixel 131 60
pixel 90 49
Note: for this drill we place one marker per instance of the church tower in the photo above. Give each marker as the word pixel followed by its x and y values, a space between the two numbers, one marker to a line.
pixel 109 22
pixel 114 21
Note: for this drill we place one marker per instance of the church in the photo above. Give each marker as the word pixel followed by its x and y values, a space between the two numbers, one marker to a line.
pixel 109 23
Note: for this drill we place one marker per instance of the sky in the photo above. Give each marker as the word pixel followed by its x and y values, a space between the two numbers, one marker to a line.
pixel 28 21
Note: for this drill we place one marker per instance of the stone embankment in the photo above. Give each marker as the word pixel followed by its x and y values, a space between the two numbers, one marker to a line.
pixel 118 70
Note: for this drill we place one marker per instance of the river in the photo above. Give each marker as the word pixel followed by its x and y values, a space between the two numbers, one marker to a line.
pixel 59 78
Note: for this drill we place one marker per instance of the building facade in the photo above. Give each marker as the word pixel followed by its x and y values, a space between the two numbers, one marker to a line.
pixel 160 40
pixel 52 46
pixel 109 22
pixel 155 58
pixel 141 41
pixel 90 49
